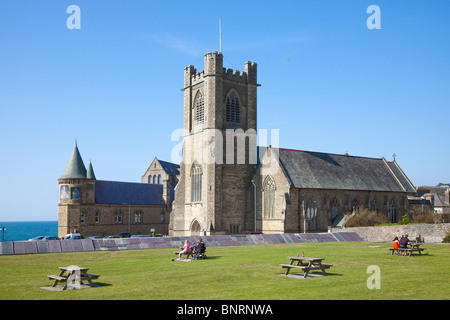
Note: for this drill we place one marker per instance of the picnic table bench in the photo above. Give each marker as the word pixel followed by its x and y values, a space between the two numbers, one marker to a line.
pixel 306 264
pixel 190 254
pixel 78 275
pixel 415 247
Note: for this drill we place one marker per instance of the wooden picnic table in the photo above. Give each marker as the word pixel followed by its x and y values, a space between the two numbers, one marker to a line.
pixel 414 247
pixel 306 264
pixel 72 273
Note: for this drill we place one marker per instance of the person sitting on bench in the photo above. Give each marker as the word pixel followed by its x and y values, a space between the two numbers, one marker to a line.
pixel 185 249
pixel 395 243
pixel 200 247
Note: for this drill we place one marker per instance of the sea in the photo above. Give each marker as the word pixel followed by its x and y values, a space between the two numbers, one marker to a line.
pixel 24 230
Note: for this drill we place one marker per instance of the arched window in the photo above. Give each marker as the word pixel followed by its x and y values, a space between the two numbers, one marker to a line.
pixel 154 179
pixel 196 182
pixel 159 179
pixel 199 108
pixel 355 205
pixel 233 111
pixel 335 208
pixel 374 206
pixel 269 197
pixel 392 213
pixel 312 213
pixel 150 179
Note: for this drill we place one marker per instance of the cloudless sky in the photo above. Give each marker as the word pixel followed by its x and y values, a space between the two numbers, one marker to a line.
pixel 328 83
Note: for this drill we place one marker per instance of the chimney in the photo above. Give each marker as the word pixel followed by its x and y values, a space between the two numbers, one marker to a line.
pixel 447 196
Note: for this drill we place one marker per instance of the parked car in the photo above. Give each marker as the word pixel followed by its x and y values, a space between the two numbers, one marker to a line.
pixel 124 234
pixel 95 237
pixel 113 236
pixel 71 236
pixel 51 238
pixel 139 236
pixel 37 238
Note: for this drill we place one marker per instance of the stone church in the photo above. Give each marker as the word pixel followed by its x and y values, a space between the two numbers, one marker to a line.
pixel 228 185
pixel 225 183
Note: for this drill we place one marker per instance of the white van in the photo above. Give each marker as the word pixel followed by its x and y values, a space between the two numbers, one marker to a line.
pixel 71 236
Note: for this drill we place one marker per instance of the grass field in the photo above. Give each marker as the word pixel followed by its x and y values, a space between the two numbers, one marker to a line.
pixel 234 273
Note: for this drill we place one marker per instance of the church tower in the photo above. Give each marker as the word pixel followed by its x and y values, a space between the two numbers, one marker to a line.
pixel 219 150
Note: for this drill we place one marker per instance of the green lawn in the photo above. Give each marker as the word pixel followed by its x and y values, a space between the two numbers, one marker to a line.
pixel 229 273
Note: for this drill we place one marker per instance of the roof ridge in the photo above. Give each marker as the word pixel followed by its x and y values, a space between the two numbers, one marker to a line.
pixel 328 153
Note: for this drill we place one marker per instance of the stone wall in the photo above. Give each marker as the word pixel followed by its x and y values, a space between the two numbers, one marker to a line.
pixel 432 233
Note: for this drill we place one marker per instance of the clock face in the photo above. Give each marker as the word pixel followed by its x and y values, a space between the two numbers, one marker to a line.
pixel 75 193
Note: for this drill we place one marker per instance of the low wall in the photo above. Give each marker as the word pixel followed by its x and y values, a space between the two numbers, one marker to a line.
pixel 432 233
pixel 44 246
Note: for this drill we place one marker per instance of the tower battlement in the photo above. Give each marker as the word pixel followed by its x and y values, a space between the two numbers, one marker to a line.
pixel 213 66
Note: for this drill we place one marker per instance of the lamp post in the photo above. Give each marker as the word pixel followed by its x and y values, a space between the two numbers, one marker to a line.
pixel 3 232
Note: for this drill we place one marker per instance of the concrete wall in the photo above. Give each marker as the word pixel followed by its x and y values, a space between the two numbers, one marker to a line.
pixel 432 233
pixel 29 247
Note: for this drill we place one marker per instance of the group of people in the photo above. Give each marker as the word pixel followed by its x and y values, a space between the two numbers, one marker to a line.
pixel 401 243
pixel 200 247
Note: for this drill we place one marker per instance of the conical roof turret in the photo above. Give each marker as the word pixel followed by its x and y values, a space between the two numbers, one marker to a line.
pixel 90 172
pixel 75 167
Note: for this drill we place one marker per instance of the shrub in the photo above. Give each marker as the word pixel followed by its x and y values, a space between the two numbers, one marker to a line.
pixel 404 220
pixel 447 238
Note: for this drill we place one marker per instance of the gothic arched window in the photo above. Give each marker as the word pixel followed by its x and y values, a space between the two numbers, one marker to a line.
pixel 233 110
pixel 335 208
pixel 199 108
pixel 196 182
pixel 312 213
pixel 392 213
pixel 269 198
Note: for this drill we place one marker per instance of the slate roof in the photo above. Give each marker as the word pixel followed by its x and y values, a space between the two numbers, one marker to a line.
pixel 75 167
pixel 90 172
pixel 115 192
pixel 171 168
pixel 316 170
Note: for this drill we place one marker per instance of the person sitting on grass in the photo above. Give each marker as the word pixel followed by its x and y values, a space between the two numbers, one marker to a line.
pixel 185 249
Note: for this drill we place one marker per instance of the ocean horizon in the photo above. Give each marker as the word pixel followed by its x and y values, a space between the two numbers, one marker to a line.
pixel 24 230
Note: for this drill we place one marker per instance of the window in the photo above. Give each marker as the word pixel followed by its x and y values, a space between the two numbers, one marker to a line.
pixel 138 217
pixel 199 109
pixel 159 179
pixel 82 217
pixel 233 112
pixel 269 198
pixel 97 217
pixel 150 179
pixel 335 210
pixel 196 182
pixel 118 217
pixel 374 206
pixel 154 179
pixel 311 213
pixel 234 228
pixel 392 213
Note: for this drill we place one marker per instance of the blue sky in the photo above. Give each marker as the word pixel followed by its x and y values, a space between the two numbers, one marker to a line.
pixel 329 84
